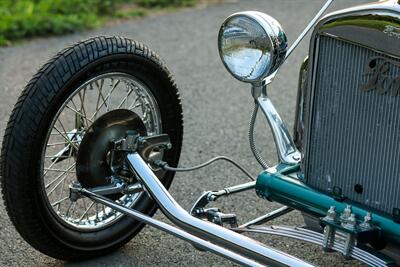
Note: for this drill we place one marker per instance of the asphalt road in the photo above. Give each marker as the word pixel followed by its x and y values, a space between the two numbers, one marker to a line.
pixel 216 111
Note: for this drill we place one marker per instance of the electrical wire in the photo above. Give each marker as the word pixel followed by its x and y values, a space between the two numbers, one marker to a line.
pixel 165 166
pixel 253 148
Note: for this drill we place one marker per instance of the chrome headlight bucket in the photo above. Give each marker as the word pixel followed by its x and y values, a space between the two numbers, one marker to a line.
pixel 252 45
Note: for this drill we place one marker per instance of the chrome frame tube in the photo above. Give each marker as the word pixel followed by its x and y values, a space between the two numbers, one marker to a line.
pixel 172 230
pixel 308 28
pixel 311 24
pixel 208 231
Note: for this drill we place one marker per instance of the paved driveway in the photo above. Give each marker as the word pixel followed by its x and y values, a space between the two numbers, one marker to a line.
pixel 216 109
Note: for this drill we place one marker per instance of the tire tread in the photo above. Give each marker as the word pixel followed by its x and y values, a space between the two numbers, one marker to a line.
pixel 24 124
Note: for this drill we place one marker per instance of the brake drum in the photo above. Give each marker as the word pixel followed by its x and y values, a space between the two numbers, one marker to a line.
pixel 92 167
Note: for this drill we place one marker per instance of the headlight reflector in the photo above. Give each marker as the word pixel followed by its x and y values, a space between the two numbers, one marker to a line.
pixel 252 45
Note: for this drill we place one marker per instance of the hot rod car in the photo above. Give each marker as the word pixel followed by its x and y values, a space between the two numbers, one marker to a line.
pixel 94 140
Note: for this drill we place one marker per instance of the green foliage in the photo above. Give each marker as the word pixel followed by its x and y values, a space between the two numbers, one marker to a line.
pixel 165 3
pixel 22 18
pixel 27 18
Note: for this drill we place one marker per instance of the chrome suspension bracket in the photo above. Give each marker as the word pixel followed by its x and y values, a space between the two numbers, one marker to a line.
pixel 215 215
pixel 346 225
pixel 121 179
pixel 358 252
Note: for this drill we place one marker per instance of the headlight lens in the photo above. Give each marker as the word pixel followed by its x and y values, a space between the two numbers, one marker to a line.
pixel 252 45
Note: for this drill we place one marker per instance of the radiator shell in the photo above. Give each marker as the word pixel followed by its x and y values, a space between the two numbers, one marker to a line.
pixel 355 134
pixel 352 137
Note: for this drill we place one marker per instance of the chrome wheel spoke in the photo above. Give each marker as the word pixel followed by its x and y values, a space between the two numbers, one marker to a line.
pixel 59 201
pixel 58 170
pixel 93 99
pixel 125 99
pixel 61 143
pixel 135 104
pixel 83 112
pixel 100 96
pixel 105 100
pixel 85 213
pixel 66 138
pixel 61 175
pixel 80 114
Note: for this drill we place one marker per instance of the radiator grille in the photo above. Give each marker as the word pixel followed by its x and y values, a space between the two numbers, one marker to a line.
pixel 354 134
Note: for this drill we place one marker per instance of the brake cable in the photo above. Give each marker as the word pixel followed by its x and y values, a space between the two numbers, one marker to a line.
pixel 164 165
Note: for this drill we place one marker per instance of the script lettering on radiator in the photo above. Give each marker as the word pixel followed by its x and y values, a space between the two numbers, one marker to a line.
pixel 379 78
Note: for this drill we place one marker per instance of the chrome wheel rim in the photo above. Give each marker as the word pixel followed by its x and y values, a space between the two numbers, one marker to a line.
pixel 89 101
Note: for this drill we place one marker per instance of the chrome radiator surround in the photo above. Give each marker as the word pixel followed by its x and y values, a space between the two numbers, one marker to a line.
pixel 349 28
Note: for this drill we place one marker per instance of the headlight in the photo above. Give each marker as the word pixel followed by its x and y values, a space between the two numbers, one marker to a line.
pixel 252 45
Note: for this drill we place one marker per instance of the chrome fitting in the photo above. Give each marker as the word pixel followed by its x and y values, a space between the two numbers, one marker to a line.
pixel 331 215
pixel 351 223
pixel 345 215
pixel 329 238
pixel 349 243
pixel 258 89
pixel 367 223
pixel 75 191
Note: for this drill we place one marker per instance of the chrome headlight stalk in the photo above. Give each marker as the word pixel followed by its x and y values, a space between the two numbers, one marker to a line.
pixel 252 46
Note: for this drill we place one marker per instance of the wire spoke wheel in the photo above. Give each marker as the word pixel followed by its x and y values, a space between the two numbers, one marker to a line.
pixel 61 130
pixel 102 94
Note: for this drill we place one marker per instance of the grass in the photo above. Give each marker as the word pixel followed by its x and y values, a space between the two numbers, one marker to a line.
pixel 21 19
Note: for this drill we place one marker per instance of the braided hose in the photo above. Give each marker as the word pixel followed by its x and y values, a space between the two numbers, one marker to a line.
pixel 253 148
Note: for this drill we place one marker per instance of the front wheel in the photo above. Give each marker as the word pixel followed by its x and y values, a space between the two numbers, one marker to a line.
pixel 96 83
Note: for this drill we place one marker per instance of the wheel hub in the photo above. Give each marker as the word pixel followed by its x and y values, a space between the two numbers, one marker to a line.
pixel 92 167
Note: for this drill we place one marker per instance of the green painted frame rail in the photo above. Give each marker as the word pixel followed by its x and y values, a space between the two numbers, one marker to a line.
pixel 281 184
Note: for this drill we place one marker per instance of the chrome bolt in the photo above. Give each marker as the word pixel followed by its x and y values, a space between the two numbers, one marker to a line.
pixel 346 213
pixel 75 191
pixel 368 217
pixel 331 214
pixel 212 197
pixel 367 221
pixel 351 222
pixel 296 157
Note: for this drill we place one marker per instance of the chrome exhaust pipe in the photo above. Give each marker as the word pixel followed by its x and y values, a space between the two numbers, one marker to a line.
pixel 218 235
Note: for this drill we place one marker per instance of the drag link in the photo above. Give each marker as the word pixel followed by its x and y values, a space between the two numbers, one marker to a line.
pixel 210 196
pixel 267 217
